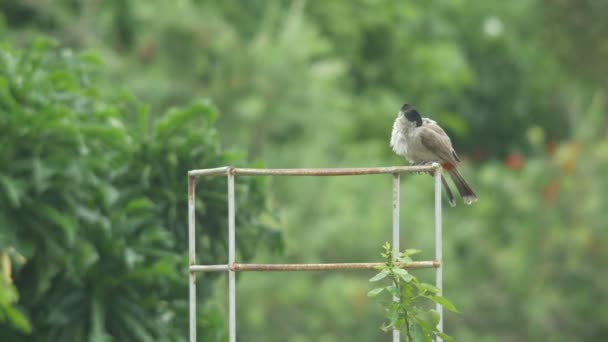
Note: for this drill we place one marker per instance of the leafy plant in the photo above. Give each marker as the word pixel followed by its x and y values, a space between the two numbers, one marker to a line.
pixel 405 309
pixel 92 222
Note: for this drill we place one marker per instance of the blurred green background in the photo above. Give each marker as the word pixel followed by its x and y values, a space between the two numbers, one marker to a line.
pixel 104 106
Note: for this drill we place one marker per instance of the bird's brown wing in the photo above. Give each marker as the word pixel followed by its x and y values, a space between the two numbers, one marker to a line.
pixel 437 129
pixel 439 144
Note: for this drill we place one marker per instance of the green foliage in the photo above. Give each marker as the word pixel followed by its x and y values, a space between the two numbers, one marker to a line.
pixel 574 40
pixel 404 306
pixel 94 198
pixel 537 241
pixel 279 67
pixel 317 84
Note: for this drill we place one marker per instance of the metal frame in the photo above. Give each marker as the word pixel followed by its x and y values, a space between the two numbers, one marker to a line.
pixel 232 267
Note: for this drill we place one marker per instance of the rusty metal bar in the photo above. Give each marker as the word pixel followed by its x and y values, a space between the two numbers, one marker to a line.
pixel 332 172
pixel 231 257
pixel 311 172
pixel 192 256
pixel 438 246
pixel 307 267
pixel 396 205
pixel 327 267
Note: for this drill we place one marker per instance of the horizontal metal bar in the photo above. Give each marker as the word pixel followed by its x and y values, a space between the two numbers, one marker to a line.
pixel 327 267
pixel 332 172
pixel 218 171
pixel 307 267
pixel 208 268
pixel 312 172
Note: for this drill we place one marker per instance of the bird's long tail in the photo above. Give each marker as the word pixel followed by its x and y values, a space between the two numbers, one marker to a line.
pixel 467 194
pixel 448 191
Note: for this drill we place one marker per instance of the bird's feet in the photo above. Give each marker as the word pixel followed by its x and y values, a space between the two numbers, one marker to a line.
pixel 421 163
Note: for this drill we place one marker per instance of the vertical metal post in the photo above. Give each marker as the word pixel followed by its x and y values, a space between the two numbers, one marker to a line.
pixel 438 246
pixel 396 183
pixel 231 273
pixel 192 256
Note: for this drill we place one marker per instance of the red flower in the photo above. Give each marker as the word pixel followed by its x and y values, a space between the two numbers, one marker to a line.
pixel 514 161
pixel 550 192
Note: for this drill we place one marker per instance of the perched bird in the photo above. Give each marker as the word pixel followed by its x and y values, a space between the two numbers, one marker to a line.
pixel 423 141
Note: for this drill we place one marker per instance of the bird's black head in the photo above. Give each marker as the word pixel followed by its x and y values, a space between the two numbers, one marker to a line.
pixel 410 113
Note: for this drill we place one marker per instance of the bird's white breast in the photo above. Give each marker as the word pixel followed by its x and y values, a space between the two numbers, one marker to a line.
pixel 399 138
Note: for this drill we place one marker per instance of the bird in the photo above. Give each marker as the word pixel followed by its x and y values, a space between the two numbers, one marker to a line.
pixel 422 141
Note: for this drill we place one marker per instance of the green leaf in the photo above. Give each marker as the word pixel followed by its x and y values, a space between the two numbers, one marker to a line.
pixel 67 223
pixel 379 276
pixel 98 321
pixel 435 318
pixel 406 260
pixel 139 203
pixel 375 292
pixel 176 119
pixel 410 252
pixel 418 333
pixel 403 273
pixel 424 323
pixel 392 290
pixel 386 327
pixel 17 319
pixel 445 337
pixel 408 293
pixel 40 174
pixel 406 277
pixel 443 302
pixel 428 287
pixel 398 270
pixel 14 190
pixel 109 192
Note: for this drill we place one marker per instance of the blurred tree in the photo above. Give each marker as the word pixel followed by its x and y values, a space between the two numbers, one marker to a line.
pixel 94 200
pixel 575 31
pixel 455 60
pixel 537 240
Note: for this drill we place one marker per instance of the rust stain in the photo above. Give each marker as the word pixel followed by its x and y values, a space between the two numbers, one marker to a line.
pixel 327 267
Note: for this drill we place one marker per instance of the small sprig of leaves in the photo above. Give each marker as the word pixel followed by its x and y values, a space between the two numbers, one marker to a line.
pixel 407 296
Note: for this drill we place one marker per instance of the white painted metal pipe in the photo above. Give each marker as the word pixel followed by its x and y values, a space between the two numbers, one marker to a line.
pixel 209 172
pixel 192 257
pixel 438 246
pixel 208 268
pixel 396 204
pixel 231 257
